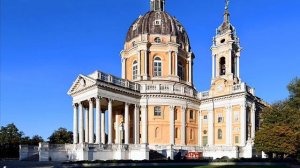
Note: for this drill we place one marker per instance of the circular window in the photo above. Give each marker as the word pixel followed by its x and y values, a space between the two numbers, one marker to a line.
pixel 205 132
pixel 223 40
pixel 157 40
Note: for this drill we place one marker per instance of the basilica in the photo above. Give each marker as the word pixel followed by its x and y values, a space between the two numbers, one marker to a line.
pixel 155 108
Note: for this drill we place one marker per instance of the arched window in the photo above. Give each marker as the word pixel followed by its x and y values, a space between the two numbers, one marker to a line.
pixel 180 70
pixel 157 111
pixel 157 40
pixel 157 66
pixel 222 66
pixel 220 134
pixel 134 70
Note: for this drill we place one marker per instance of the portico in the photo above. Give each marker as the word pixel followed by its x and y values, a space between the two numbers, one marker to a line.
pixel 90 111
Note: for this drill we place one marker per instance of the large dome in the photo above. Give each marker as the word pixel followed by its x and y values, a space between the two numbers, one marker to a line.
pixel 158 22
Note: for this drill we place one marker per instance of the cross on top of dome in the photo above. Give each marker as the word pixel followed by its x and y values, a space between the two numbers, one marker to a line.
pixel 157 5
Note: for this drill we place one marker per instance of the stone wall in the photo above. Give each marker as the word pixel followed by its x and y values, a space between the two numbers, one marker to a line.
pixel 28 152
pixel 79 152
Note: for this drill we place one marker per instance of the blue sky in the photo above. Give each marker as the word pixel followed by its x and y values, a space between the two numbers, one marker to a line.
pixel 45 44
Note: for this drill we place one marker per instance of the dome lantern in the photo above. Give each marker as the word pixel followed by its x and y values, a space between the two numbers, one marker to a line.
pixel 157 5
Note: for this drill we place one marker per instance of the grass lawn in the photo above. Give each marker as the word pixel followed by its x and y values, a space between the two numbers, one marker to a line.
pixel 213 167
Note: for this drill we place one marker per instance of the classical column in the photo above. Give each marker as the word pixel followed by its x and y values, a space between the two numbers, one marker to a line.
pixel 183 123
pixel 86 135
pixel 253 109
pixel 91 122
pixel 109 121
pixel 243 124
pixel 146 63
pixel 75 124
pixel 213 67
pixel 144 124
pixel 200 129
pixel 139 63
pixel 98 120
pixel 172 125
pixel 103 127
pixel 136 124
pixel 126 123
pixel 170 63
pixel 211 127
pixel 81 121
pixel 228 125
pixel 176 63
pixel 117 128
pixel 190 69
pixel 238 66
pixel 123 68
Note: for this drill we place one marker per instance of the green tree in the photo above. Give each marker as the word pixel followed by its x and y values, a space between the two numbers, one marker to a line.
pixel 294 89
pixel 36 139
pixel 10 138
pixel 61 136
pixel 280 130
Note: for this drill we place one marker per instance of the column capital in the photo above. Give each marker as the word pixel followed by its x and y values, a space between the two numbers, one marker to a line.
pixel 183 108
pixel 123 59
pixel 109 99
pixel 137 106
pixel 80 104
pixel 228 107
pixel 98 98
pixel 91 100
pixel 172 107
pixel 75 105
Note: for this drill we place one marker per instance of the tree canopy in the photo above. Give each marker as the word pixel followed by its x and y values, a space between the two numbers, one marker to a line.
pixel 280 130
pixel 11 138
pixel 61 136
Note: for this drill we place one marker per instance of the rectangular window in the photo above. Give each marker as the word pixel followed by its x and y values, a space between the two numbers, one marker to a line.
pixel 191 114
pixel 157 68
pixel 236 139
pixel 204 141
pixel 175 115
pixel 157 111
pixel 220 118
pixel 134 71
pixel 205 118
pixel 157 22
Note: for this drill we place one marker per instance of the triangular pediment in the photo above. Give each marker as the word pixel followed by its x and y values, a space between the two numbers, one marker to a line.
pixel 82 82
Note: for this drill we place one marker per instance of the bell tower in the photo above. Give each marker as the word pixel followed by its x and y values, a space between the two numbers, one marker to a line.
pixel 226 51
pixel 225 56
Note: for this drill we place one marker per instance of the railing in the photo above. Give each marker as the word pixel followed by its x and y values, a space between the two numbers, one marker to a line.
pixel 242 87
pixel 168 88
pixel 115 80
